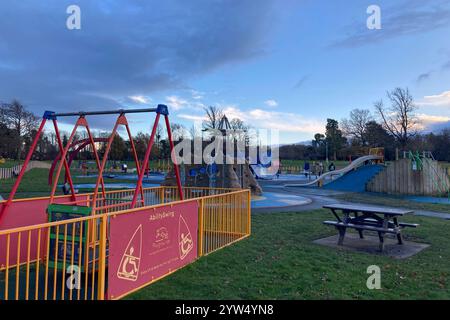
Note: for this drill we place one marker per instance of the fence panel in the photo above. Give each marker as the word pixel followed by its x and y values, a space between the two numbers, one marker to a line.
pixel 67 259
pixel 224 219
pixel 68 263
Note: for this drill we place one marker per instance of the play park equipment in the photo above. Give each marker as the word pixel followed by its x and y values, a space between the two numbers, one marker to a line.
pixel 319 181
pixel 355 180
pixel 211 173
pixel 263 172
pixel 418 173
pixel 107 244
pixel 267 168
pixel 75 148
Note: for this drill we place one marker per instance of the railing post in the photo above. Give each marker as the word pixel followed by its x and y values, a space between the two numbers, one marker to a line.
pixel 102 258
pixel 200 227
pixel 249 212
pixel 162 195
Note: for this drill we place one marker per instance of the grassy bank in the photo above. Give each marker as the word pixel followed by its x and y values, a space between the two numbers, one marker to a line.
pixel 279 261
pixel 392 201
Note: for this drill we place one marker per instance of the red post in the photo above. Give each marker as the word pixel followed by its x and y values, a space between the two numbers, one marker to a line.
pixel 145 162
pixel 102 167
pixel 135 156
pixel 174 159
pixel 97 159
pixel 64 160
pixel 24 167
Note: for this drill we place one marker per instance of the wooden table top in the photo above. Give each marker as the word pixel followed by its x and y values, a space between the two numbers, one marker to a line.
pixel 369 209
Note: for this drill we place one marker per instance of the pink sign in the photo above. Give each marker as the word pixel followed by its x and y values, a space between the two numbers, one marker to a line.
pixel 150 243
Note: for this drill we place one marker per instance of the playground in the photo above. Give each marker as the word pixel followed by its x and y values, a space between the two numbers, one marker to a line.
pixel 89 230
pixel 95 240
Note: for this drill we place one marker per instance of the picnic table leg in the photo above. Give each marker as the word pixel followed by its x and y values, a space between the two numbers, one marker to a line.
pixel 381 236
pixel 399 238
pixel 361 236
pixel 399 232
pixel 341 235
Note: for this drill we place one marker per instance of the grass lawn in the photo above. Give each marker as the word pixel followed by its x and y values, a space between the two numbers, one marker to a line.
pixel 10 163
pixel 35 184
pixel 300 163
pixel 153 164
pixel 392 201
pixel 279 261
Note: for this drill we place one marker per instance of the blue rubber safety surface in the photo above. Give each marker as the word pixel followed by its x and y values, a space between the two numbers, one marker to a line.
pixel 274 200
pixel 355 180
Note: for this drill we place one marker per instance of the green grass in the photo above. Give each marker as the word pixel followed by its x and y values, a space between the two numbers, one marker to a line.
pixel 10 163
pixel 392 201
pixel 35 184
pixel 153 164
pixel 279 261
pixel 300 163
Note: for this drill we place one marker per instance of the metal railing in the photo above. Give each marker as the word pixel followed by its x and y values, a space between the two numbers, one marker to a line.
pixel 67 260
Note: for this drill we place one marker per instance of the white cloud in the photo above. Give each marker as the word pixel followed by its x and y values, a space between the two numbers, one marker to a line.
pixel 439 100
pixel 282 121
pixel 197 95
pixel 175 102
pixel 140 99
pixel 271 103
pixel 428 121
pixel 191 117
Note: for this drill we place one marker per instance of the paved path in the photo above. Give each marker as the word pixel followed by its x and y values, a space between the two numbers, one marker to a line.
pixel 319 198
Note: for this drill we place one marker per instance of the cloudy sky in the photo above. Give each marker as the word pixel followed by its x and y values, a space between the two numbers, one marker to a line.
pixel 280 64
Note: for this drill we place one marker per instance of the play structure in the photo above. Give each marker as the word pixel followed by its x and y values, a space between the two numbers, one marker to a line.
pixel 74 148
pixel 361 161
pixel 265 169
pixel 226 174
pixel 418 173
pixel 107 244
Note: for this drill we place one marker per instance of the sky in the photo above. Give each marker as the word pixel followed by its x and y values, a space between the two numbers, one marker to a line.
pixel 285 65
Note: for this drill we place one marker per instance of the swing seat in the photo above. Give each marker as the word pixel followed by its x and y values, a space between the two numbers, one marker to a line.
pixel 66 211
pixel 65 242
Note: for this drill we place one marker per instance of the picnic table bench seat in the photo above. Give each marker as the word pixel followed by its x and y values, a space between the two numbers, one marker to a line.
pixel 368 218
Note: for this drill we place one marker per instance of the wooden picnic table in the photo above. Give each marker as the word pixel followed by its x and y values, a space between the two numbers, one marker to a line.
pixel 382 220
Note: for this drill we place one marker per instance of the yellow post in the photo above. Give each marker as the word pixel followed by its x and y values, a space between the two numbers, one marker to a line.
pixel 162 195
pixel 200 228
pixel 102 258
pixel 249 212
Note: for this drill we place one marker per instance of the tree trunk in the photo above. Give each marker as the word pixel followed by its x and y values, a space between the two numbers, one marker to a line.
pixel 19 148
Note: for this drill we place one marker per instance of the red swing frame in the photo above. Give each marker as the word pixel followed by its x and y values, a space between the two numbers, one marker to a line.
pixel 121 120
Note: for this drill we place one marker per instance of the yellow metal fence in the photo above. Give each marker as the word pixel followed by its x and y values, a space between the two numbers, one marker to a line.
pixel 67 260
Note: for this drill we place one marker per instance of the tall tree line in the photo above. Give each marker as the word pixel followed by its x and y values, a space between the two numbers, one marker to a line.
pixel 18 127
pixel 393 124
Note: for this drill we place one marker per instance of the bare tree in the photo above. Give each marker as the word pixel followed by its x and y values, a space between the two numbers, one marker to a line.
pixel 213 117
pixel 399 119
pixel 240 130
pixel 159 135
pixel 20 120
pixel 355 126
pixel 177 131
pixel 194 132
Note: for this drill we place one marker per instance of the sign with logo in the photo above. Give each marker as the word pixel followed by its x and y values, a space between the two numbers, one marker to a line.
pixel 147 244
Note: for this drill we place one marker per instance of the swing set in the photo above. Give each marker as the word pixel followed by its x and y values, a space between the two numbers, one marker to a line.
pixel 100 201
pixel 43 239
